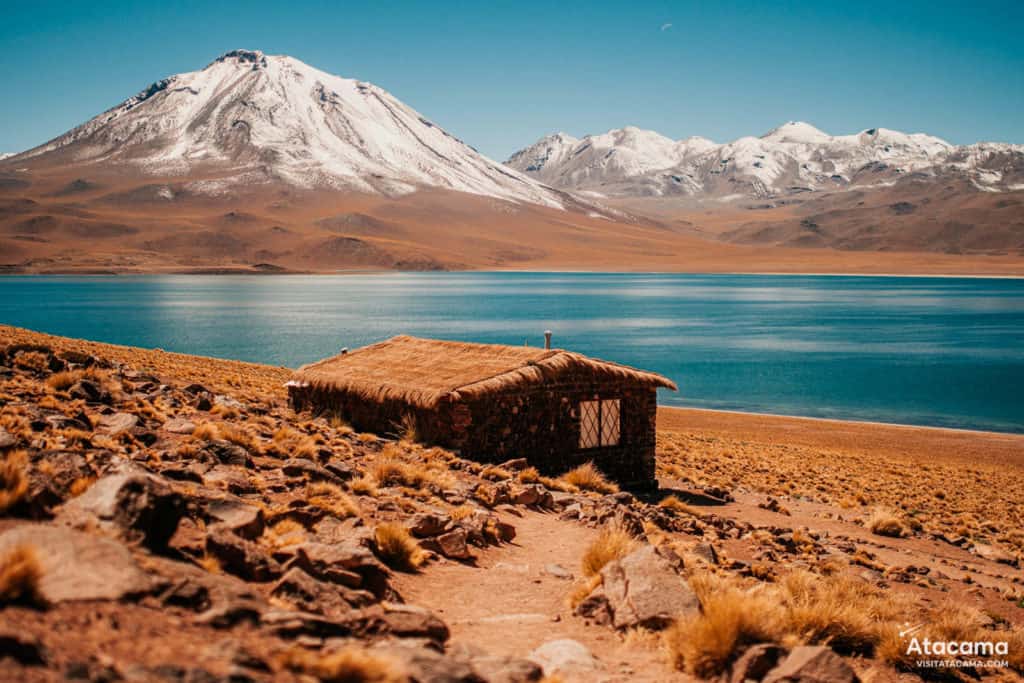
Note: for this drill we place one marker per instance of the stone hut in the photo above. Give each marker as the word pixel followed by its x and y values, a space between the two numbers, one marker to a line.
pixel 558 409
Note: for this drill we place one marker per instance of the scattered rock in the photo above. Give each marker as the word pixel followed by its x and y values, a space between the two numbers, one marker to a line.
pixel 644 589
pixel 312 595
pixel 427 524
pixel 812 664
pixel 993 554
pixel 241 557
pixel 6 440
pixel 558 571
pixel 118 423
pixel 137 504
pixel 179 426
pixel 228 453
pixel 23 648
pixel 565 656
pixel 79 566
pixel 755 662
pixel 243 519
pixel 454 545
pixel 298 467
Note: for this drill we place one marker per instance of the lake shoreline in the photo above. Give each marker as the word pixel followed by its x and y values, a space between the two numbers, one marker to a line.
pixel 915 440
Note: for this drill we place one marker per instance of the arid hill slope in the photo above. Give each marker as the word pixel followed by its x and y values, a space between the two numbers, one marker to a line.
pixel 185 525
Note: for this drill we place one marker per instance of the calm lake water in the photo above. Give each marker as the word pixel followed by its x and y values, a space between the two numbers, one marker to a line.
pixel 930 351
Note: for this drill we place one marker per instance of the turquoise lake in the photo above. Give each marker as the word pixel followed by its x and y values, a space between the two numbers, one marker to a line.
pixel 928 351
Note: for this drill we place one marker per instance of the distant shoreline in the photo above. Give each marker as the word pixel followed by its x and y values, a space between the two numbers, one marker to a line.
pixel 228 272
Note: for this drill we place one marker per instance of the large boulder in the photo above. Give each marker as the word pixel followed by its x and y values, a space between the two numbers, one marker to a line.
pixel 645 589
pixel 79 566
pixel 812 664
pixel 238 516
pixel 138 505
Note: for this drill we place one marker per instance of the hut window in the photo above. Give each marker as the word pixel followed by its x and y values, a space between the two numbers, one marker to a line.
pixel 599 423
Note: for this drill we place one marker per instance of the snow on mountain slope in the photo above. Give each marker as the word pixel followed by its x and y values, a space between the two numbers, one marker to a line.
pixel 5 155
pixel 795 157
pixel 255 117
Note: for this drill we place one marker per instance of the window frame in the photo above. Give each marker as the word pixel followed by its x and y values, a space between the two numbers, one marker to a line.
pixel 593 431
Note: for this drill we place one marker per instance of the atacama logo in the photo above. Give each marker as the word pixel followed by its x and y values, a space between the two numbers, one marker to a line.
pixel 953 654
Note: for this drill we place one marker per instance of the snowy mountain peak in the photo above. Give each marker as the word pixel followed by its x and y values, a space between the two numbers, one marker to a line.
pixel 792 158
pixel 255 118
pixel 797 132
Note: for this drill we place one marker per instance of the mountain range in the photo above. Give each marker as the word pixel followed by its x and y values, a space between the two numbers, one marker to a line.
pixel 792 159
pixel 264 163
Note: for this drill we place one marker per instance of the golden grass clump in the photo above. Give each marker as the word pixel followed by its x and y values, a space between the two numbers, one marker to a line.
pixel 885 523
pixel 349 665
pixel 20 574
pixel 588 478
pixel 408 430
pixel 495 473
pixel 62 381
pixel 365 485
pixel 291 443
pixel 390 471
pixel 397 548
pixel 530 475
pixel 332 499
pixel 206 431
pixel 240 436
pixel 13 479
pixel 730 619
pixel 673 503
pixel 612 543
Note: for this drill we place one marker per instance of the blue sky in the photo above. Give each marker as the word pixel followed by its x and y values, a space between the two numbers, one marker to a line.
pixel 501 74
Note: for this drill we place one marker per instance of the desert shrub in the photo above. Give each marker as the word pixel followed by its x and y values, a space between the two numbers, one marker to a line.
pixel 397 548
pixel 20 574
pixel 885 523
pixel 288 442
pixel 588 478
pixel 675 505
pixel 530 475
pixel 349 665
pixel 332 499
pixel 364 486
pixel 612 543
pixel 206 431
pixel 730 619
pixel 495 473
pixel 390 471
pixel 240 436
pixel 13 479
pixel 408 430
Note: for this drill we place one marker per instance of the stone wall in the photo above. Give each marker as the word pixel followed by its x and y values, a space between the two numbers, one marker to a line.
pixel 541 424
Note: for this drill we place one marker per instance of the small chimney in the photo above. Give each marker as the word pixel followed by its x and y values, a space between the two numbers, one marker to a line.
pixel 344 351
pixel 547 339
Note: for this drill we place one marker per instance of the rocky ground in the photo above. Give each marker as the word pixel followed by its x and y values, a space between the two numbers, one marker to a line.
pixel 169 518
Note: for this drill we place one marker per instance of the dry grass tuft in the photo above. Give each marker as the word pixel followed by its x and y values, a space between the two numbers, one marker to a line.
pixel 408 430
pixel 582 589
pixel 13 479
pixel 350 665
pixel 288 443
pixel 885 523
pixel 206 431
pixel 588 478
pixel 730 619
pixel 390 471
pixel 20 574
pixel 675 505
pixel 495 473
pixel 364 486
pixel 847 614
pixel 612 543
pixel 530 475
pixel 397 548
pixel 240 436
pixel 332 499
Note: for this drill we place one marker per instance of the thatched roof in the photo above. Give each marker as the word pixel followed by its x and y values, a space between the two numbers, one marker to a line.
pixel 423 372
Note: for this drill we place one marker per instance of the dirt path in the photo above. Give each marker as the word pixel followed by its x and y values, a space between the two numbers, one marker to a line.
pixel 508 605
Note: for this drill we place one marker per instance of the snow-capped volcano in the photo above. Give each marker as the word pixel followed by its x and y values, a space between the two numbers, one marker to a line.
pixel 795 157
pixel 252 117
